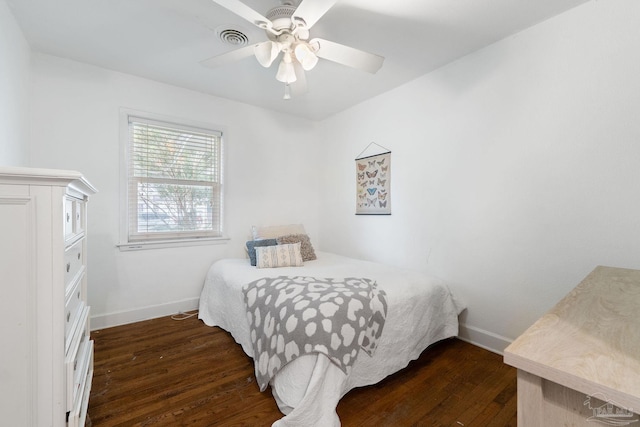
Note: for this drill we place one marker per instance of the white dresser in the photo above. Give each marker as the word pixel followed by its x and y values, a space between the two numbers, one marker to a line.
pixel 46 359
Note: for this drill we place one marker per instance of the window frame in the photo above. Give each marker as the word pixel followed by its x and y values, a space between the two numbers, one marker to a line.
pixel 169 239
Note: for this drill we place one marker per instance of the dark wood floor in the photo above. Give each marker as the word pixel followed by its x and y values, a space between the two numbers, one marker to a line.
pixel 164 372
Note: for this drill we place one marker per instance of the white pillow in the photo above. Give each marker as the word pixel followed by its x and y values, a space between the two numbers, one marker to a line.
pixel 279 256
pixel 276 231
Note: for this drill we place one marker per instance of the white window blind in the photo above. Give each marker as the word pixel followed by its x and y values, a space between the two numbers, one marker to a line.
pixel 174 181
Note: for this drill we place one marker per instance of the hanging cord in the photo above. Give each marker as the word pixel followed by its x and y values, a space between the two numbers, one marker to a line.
pixel 367 147
pixel 184 316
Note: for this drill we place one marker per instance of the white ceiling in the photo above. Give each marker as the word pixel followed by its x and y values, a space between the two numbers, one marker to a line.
pixel 165 40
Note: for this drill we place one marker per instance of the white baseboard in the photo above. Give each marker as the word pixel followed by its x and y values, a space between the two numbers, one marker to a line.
pixel 484 339
pixel 102 321
pixel 476 336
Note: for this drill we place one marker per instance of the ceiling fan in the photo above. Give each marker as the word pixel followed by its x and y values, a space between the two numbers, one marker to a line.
pixel 287 29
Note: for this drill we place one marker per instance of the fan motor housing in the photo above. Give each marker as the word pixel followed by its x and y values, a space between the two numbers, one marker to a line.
pixel 280 16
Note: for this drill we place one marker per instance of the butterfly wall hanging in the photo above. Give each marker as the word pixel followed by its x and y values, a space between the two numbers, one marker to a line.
pixel 373 195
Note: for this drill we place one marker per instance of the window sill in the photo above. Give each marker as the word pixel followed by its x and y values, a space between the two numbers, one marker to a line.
pixel 163 244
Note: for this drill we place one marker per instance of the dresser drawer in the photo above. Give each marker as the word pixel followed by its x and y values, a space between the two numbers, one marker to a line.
pixel 78 413
pixel 68 218
pixel 76 358
pixel 74 217
pixel 76 370
pixel 74 304
pixel 78 216
pixel 73 262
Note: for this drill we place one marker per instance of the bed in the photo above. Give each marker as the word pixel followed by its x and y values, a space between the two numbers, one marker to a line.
pixel 421 310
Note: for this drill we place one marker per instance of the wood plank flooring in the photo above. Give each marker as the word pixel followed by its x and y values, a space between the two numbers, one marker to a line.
pixel 164 372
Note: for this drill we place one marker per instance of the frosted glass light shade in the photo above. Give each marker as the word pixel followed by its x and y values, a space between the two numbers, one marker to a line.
pixel 286 71
pixel 305 56
pixel 266 53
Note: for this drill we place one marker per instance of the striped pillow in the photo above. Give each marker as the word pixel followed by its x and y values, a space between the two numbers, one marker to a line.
pixel 279 256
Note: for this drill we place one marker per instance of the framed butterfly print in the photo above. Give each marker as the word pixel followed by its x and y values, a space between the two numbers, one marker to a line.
pixel 373 185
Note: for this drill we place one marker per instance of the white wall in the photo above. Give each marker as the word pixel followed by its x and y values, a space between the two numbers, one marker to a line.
pixel 14 91
pixel 515 170
pixel 75 125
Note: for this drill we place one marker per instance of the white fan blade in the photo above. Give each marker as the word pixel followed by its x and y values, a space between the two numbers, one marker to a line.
pixel 244 11
pixel 348 56
pixel 226 58
pixel 310 11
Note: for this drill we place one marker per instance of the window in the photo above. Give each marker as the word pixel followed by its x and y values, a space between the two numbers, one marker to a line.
pixel 173 182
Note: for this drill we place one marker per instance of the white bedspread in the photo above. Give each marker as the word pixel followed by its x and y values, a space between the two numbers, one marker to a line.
pixel 421 311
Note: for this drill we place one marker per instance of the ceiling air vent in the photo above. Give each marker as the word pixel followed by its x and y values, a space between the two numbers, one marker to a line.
pixel 233 37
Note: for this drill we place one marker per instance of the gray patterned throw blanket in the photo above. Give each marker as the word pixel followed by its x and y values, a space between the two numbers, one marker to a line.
pixel 293 316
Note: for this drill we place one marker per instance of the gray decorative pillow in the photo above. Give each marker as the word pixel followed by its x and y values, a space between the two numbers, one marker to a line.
pixel 251 247
pixel 306 248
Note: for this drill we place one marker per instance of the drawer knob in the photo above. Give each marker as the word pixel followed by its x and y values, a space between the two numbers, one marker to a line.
pixel 68 316
pixel 68 267
pixel 68 217
pixel 78 294
pixel 75 364
pixel 78 255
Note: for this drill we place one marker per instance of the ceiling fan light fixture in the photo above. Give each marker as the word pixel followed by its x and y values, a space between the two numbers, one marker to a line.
pixel 287 29
pixel 306 56
pixel 266 53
